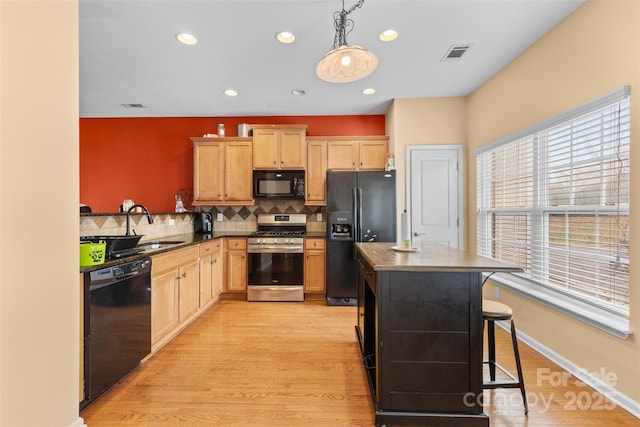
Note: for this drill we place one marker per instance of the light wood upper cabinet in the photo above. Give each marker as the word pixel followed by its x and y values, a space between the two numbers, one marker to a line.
pixel 316 172
pixel 208 170
pixel 372 154
pixel 357 153
pixel 279 146
pixel 239 174
pixel 222 172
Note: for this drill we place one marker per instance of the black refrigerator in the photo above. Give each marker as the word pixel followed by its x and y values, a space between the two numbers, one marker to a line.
pixel 361 207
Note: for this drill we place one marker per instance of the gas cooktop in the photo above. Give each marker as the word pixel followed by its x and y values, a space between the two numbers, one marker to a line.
pixel 276 233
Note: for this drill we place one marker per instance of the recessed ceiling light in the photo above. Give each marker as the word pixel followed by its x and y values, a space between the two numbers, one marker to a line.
pixel 369 91
pixel 388 35
pixel 285 37
pixel 231 92
pixel 298 92
pixel 186 38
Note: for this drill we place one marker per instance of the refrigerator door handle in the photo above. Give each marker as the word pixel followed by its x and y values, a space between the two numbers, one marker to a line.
pixel 355 232
pixel 355 235
pixel 359 212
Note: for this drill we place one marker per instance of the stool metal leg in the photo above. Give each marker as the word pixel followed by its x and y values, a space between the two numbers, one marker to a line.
pixel 513 382
pixel 514 340
pixel 491 331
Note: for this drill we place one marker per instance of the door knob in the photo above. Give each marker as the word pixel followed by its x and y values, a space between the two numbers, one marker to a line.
pixel 418 234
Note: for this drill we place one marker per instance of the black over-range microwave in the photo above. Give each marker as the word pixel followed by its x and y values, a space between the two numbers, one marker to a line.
pixel 278 184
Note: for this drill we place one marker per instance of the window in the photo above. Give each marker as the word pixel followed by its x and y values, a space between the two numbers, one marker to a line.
pixel 554 200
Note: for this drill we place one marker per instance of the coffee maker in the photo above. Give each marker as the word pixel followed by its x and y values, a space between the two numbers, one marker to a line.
pixel 203 223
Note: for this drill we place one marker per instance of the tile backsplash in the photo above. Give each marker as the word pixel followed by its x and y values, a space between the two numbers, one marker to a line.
pixel 235 218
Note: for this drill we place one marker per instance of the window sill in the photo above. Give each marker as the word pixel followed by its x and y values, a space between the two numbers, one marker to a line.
pixel 612 323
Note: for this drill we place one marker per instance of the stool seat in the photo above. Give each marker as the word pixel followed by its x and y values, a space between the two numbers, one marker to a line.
pixel 496 310
pixel 493 311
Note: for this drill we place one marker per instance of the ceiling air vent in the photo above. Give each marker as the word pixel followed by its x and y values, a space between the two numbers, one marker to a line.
pixel 455 52
pixel 133 105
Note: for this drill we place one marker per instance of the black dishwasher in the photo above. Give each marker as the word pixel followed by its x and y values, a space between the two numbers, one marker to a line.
pixel 117 323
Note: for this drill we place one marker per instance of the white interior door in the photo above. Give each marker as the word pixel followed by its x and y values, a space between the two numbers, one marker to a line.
pixel 434 184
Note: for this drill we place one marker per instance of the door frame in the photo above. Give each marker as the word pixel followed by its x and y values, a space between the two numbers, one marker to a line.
pixel 461 209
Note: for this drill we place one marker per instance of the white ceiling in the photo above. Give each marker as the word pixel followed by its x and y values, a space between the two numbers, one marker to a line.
pixel 129 54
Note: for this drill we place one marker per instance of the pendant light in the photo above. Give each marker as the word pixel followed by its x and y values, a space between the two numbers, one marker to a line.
pixel 345 63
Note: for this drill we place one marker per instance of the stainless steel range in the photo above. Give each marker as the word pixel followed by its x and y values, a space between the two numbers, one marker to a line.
pixel 276 258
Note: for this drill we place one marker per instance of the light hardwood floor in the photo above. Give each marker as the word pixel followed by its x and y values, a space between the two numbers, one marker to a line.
pixel 298 364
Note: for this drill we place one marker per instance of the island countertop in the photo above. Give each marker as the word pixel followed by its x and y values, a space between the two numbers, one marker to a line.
pixel 430 257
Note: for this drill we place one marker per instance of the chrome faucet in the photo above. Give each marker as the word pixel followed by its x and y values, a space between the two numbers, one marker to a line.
pixel 129 216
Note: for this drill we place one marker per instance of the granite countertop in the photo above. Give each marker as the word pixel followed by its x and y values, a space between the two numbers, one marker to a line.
pixel 189 239
pixel 430 257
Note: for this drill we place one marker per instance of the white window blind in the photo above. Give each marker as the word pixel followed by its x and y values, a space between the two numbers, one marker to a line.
pixel 554 200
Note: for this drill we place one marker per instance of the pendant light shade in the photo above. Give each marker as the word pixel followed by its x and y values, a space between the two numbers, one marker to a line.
pixel 345 63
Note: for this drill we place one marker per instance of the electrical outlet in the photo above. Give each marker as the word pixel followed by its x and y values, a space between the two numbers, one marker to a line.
pixel 172 222
pixel 319 217
pixel 496 291
pixel 219 217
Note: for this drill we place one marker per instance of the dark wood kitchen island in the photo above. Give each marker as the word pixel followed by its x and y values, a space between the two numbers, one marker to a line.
pixel 420 332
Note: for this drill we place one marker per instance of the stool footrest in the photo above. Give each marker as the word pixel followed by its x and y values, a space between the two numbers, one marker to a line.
pixel 513 379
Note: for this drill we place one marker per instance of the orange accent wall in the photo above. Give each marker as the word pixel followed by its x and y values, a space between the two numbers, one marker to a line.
pixel 150 159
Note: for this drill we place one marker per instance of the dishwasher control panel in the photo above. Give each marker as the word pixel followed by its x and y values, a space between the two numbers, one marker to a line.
pixel 120 270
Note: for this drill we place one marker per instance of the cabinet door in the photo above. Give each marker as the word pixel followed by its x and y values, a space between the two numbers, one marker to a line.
pixel 217 270
pixel 372 155
pixel 239 173
pixel 236 265
pixel 265 149
pixel 292 149
pixel 314 265
pixel 164 304
pixel 237 270
pixel 208 167
pixel 342 155
pixel 189 290
pixel 206 277
pixel 316 173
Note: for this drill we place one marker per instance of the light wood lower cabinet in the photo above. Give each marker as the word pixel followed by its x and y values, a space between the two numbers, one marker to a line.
pixel 175 292
pixel 236 264
pixel 211 271
pixel 314 265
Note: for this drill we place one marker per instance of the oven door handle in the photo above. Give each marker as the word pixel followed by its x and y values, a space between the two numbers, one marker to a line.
pixel 275 249
pixel 276 287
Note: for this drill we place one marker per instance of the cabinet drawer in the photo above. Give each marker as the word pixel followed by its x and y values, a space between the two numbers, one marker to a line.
pixel 311 243
pixel 233 244
pixel 173 259
pixel 210 247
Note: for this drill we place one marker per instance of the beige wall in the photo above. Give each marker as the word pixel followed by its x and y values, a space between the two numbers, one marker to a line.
pixel 423 121
pixel 594 51
pixel 39 306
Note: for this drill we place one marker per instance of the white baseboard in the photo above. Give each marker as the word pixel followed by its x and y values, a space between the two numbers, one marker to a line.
pixel 79 422
pixel 582 374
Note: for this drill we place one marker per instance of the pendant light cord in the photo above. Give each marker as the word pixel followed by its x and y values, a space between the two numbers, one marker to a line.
pixel 341 23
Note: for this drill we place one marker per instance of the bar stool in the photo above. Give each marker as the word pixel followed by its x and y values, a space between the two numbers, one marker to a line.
pixel 493 311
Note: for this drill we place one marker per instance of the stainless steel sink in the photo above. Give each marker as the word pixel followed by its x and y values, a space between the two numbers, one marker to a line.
pixel 159 244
